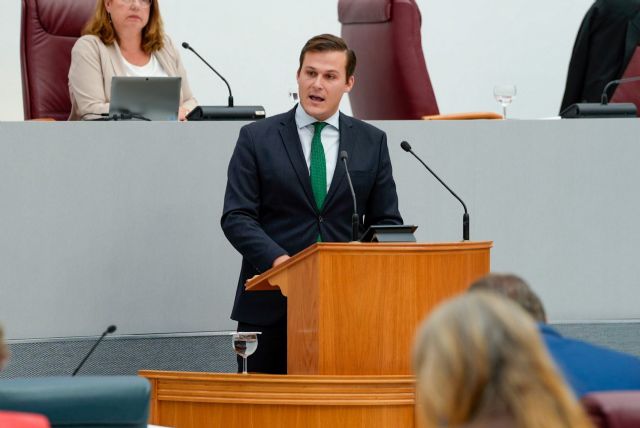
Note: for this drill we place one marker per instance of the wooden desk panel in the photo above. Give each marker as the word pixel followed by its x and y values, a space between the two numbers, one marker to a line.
pixel 195 400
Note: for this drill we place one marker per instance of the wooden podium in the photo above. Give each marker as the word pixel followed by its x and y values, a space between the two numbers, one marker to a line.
pixel 353 310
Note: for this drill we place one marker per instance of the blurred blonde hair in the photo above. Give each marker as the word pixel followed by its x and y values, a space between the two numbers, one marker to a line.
pixel 101 26
pixel 478 357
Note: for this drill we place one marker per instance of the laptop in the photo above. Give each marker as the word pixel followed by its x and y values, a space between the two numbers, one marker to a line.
pixel 153 98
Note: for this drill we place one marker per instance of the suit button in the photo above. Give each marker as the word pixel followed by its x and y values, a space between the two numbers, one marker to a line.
pixel 320 219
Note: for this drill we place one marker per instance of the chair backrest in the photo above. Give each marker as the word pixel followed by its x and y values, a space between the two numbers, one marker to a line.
pixel 619 409
pixel 392 81
pixel 49 30
pixel 23 420
pixel 630 92
pixel 82 401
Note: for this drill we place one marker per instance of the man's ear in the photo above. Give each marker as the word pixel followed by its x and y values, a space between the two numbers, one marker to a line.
pixel 350 82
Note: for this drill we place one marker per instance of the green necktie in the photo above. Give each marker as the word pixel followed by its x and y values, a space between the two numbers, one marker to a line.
pixel 318 167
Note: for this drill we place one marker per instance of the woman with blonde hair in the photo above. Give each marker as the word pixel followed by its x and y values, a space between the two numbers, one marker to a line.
pixel 124 38
pixel 480 362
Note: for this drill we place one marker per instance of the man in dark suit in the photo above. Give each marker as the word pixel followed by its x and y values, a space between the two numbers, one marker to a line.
pixel 606 41
pixel 287 189
pixel 586 367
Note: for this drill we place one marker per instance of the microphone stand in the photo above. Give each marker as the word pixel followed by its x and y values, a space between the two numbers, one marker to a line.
pixel 465 217
pixel 109 329
pixel 187 46
pixel 355 219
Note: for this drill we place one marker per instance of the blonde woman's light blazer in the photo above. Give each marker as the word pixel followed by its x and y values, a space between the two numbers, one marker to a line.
pixel 94 64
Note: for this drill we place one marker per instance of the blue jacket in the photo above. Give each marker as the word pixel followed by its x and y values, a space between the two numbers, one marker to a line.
pixel 589 368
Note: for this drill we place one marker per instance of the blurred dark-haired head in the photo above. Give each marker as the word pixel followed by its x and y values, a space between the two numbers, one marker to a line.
pixel 515 288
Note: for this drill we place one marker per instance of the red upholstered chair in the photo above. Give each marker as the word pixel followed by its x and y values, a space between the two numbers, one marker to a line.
pixel 49 30
pixel 613 409
pixel 23 420
pixel 630 92
pixel 392 77
pixel 392 81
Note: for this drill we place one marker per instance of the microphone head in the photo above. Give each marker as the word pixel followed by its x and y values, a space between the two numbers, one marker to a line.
pixel 111 329
pixel 343 155
pixel 405 146
pixel 186 45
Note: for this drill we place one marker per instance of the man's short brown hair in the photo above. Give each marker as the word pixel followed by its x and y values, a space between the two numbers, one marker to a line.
pixel 514 288
pixel 328 43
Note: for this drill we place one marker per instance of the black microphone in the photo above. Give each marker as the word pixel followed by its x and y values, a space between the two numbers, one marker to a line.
pixel 603 109
pixel 465 218
pixel 187 46
pixel 230 112
pixel 355 220
pixel 604 99
pixel 109 330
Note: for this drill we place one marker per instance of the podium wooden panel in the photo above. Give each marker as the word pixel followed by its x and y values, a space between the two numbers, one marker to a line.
pixel 353 308
pixel 195 400
pixel 352 314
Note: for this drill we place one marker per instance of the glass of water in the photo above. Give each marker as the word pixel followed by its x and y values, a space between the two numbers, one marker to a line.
pixel 504 94
pixel 245 343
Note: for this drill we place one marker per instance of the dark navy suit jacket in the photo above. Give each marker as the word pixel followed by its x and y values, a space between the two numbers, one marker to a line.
pixel 590 368
pixel 269 209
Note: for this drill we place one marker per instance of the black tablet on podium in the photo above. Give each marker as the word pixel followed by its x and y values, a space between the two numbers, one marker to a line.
pixel 390 233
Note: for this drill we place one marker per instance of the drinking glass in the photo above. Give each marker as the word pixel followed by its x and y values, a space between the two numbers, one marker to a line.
pixel 504 94
pixel 245 343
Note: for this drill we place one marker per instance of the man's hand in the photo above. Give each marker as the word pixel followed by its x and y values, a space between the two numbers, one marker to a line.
pixel 283 258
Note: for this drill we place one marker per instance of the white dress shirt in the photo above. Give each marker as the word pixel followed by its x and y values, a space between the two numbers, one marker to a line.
pixel 330 139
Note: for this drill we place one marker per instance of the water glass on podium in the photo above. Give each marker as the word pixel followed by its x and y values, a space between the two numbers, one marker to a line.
pixel 244 344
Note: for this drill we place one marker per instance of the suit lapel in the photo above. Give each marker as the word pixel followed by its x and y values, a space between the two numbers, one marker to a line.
pixel 293 146
pixel 346 144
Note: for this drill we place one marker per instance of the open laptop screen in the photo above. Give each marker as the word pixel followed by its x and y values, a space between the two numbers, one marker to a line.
pixel 154 98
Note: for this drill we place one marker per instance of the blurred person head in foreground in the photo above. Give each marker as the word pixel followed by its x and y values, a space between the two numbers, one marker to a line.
pixel 585 366
pixel 514 288
pixel 480 362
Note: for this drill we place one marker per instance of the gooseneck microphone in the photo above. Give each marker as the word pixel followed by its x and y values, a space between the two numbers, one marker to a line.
pixel 355 219
pixel 109 330
pixel 603 109
pixel 604 99
pixel 188 47
pixel 465 218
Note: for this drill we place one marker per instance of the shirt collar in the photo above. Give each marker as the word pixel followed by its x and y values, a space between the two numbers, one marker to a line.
pixel 303 119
